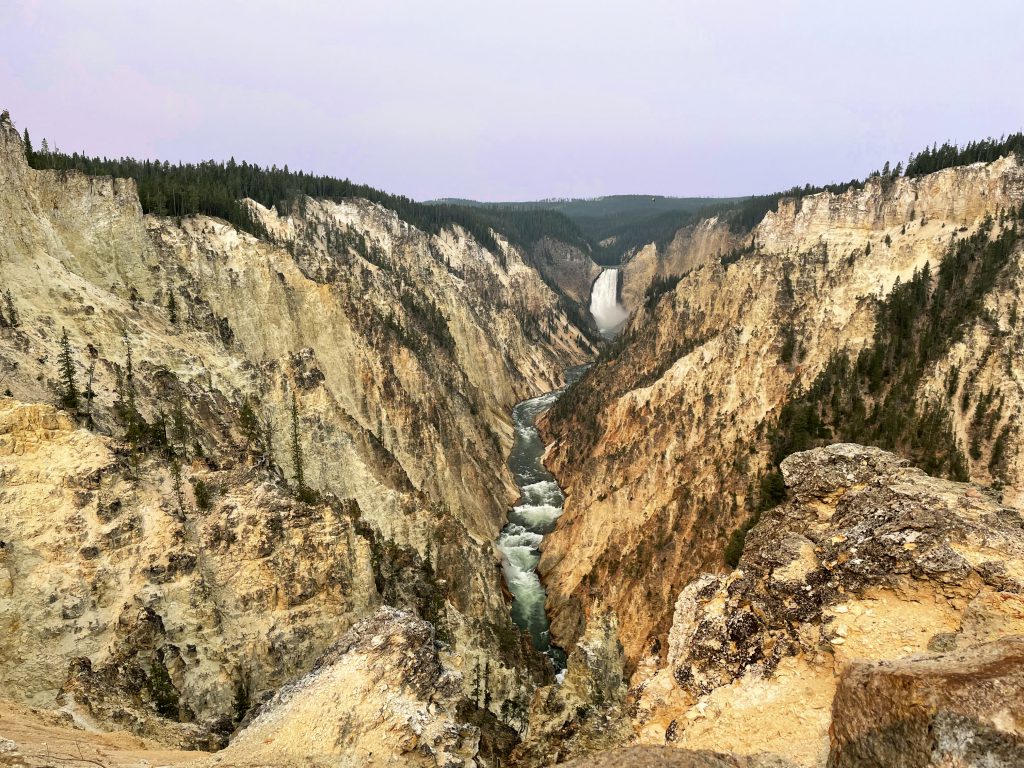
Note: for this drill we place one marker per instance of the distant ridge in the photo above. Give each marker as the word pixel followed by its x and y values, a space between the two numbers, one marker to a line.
pixel 603 205
pixel 614 224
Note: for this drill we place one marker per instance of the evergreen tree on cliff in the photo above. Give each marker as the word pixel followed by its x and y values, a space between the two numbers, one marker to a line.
pixel 300 479
pixel 12 313
pixel 69 384
pixel 172 306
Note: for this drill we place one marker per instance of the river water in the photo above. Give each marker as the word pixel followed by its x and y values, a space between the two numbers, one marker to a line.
pixel 539 506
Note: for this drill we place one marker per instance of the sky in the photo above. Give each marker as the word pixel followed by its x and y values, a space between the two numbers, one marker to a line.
pixel 499 100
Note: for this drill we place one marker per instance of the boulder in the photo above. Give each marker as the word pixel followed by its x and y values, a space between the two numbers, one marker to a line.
pixel 963 709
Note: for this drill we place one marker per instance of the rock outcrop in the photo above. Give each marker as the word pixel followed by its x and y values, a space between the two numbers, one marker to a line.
pixel 963 708
pixel 585 713
pixel 380 696
pixel 568 267
pixel 696 245
pixel 41 738
pixel 151 614
pixel 871 560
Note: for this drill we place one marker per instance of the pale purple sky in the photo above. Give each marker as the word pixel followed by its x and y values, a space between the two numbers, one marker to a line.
pixel 521 99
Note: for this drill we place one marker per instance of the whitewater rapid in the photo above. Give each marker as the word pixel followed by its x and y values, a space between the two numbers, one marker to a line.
pixel 604 303
pixel 539 506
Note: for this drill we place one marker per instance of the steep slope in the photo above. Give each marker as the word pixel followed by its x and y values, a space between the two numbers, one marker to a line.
pixel 568 267
pixel 386 357
pixel 692 246
pixel 661 447
pixel 381 695
pixel 876 618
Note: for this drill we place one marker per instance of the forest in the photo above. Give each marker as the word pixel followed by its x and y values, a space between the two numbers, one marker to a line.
pixel 609 228
pixel 950 155
pixel 616 225
pixel 872 398
pixel 747 213
pixel 215 189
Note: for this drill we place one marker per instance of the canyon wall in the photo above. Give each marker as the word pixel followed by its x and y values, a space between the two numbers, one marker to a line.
pixel 157 541
pixel 692 246
pixel 661 445
pixel 869 567
pixel 572 270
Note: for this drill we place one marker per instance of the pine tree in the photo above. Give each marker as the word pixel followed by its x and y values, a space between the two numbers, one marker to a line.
pixel 129 371
pixel 125 404
pixel 177 485
pixel 89 394
pixel 300 479
pixel 172 306
pixel 179 426
pixel 68 377
pixel 252 426
pixel 28 145
pixel 12 313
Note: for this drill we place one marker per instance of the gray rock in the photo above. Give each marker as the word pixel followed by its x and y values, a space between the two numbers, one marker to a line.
pixel 960 709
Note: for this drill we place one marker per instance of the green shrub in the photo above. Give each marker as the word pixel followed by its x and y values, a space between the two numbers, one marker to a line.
pixel 165 695
pixel 204 494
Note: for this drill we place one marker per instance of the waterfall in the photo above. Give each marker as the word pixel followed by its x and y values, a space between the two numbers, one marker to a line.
pixel 604 303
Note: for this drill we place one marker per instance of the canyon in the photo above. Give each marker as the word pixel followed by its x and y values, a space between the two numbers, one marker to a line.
pixel 191 570
pixel 341 489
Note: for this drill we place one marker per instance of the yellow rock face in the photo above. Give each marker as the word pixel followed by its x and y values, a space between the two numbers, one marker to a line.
pixel 658 451
pixel 404 352
pixel 756 657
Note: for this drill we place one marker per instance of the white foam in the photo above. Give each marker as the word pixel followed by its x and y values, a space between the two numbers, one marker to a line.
pixel 537 515
pixel 517 536
pixel 543 492
pixel 604 302
pixel 521 559
pixel 528 595
pixel 520 540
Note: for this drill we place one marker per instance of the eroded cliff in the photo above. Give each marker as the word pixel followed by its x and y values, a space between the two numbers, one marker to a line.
pixel 661 447
pixel 873 571
pixel 151 540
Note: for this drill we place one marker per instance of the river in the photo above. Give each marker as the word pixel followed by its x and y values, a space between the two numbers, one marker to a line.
pixel 539 506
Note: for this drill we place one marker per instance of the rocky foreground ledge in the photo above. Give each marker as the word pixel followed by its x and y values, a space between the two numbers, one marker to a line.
pixel 871 621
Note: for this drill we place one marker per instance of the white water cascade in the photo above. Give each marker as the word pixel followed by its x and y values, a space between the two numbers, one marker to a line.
pixel 604 303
